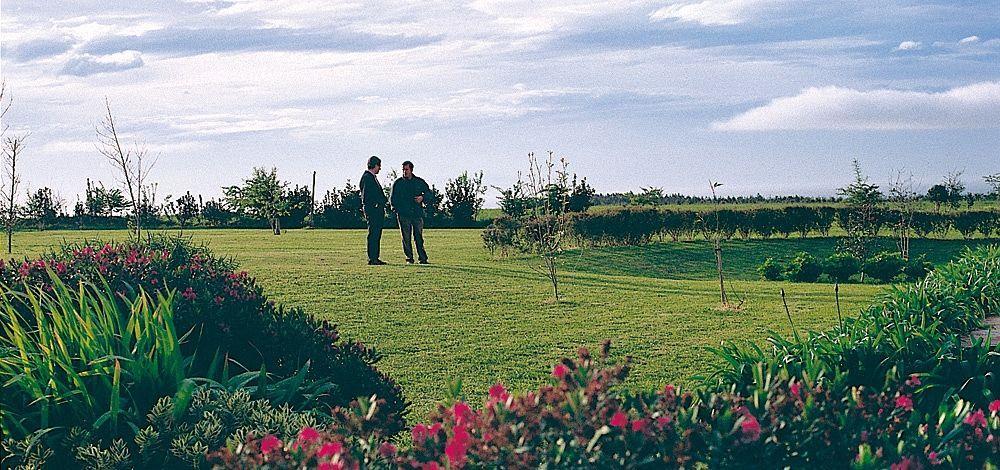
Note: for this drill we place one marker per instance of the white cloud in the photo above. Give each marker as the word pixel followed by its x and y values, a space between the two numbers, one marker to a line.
pixel 87 64
pixel 712 12
pixel 974 106
pixel 909 46
pixel 969 40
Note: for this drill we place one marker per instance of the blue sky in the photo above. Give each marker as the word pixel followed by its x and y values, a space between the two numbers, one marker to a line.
pixel 766 96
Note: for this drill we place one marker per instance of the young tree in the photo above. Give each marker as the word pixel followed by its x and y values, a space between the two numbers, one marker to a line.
pixel 546 224
pixel 863 202
pixel 464 197
pixel 994 182
pixel 903 199
pixel 581 196
pixel 132 164
pixel 717 242
pixel 514 201
pixel 43 207
pixel 187 209
pixel 12 149
pixel 262 196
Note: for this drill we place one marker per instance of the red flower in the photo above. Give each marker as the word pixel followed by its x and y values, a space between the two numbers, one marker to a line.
pixel 419 433
pixel 995 406
pixel 387 449
pixel 430 466
pixel 976 419
pixel 914 381
pixel 338 465
pixel 663 421
pixel 308 434
pixel 269 443
pixel 330 449
pixel 904 402
pixel 619 420
pixel 498 394
pixel 189 294
pixel 904 464
pixel 795 389
pixel 462 413
pixel 639 425
pixel 560 371
pixel 434 429
pixel 457 446
pixel 933 458
pixel 668 390
pixel 750 427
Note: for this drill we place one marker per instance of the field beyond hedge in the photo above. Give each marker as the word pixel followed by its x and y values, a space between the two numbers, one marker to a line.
pixel 482 319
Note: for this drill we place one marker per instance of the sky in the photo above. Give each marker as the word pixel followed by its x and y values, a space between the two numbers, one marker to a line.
pixel 766 96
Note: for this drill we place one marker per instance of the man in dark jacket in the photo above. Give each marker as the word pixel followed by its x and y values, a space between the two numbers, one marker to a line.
pixel 408 195
pixel 373 205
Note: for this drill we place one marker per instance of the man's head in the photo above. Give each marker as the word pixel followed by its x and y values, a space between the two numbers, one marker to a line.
pixel 374 164
pixel 407 169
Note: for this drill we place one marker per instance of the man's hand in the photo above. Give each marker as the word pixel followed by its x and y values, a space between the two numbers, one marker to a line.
pixel 419 199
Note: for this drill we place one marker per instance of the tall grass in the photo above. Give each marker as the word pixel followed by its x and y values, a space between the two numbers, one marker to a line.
pixel 84 355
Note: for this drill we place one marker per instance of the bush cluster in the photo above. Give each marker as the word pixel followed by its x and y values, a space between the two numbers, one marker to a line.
pixel 136 321
pixel 842 267
pixel 636 226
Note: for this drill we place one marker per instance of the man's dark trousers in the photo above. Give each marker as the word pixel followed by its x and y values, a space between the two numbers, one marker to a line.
pixel 412 226
pixel 375 216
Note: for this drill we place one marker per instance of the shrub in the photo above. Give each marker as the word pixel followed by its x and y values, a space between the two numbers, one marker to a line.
pixel 884 267
pixel 841 266
pixel 679 224
pixel 771 270
pixel 803 268
pixel 917 268
pixel 223 313
pixel 501 235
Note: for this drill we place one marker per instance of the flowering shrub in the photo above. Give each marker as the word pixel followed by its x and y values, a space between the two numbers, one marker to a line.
pixel 583 419
pixel 223 313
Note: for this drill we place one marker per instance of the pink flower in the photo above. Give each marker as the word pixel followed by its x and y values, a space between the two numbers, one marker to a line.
pixel 434 429
pixel 750 427
pixel 338 465
pixel 387 449
pixel 462 412
pixel 664 421
pixel 933 458
pixel 904 402
pixel 419 433
pixel 269 443
pixel 995 406
pixel 668 390
pixel 457 446
pixel 189 294
pixel 498 394
pixel 639 425
pixel 430 466
pixel 560 371
pixel 914 380
pixel 308 434
pixel 330 449
pixel 904 464
pixel 619 420
pixel 795 388
pixel 976 419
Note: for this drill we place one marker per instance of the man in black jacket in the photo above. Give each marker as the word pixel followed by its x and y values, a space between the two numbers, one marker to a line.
pixel 407 196
pixel 373 205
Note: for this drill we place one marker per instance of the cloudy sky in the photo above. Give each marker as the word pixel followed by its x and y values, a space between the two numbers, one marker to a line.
pixel 767 96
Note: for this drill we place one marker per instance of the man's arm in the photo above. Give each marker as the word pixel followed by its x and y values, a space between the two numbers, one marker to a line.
pixel 394 195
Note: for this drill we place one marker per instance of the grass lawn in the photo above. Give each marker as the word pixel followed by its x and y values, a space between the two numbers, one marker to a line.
pixel 481 319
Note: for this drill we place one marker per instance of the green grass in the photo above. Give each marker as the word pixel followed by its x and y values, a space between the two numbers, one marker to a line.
pixel 481 319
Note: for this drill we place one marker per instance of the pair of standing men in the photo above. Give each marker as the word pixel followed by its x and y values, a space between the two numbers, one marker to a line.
pixel 407 197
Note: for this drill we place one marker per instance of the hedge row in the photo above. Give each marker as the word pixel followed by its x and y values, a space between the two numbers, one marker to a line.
pixel 632 226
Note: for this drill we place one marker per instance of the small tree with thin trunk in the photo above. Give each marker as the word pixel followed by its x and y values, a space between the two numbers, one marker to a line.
pixel 132 164
pixel 263 196
pixel 546 224
pixel 12 148
pixel 903 199
pixel 717 244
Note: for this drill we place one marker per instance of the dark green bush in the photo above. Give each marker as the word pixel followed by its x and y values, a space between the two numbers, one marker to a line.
pixel 501 235
pixel 222 313
pixel 884 267
pixel 841 266
pixel 771 270
pixel 803 268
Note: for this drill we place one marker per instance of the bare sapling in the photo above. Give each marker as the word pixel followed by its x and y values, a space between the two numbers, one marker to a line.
pixel 717 241
pixel 12 148
pixel 133 165
pixel 548 225
pixel 903 199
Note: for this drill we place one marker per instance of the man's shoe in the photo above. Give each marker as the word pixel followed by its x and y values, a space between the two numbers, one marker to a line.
pixel 377 262
pixel 409 261
pixel 423 261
